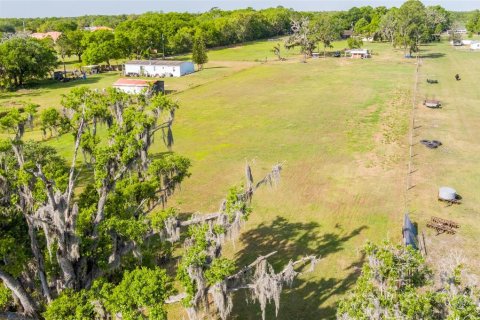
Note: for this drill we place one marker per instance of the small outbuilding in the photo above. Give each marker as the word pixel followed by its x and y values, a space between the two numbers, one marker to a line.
pixel 347 34
pixel 92 69
pixel 359 53
pixel 409 233
pixel 135 86
pixel 158 68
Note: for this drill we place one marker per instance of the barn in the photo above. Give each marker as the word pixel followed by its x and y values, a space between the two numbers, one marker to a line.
pixel 158 68
pixel 135 86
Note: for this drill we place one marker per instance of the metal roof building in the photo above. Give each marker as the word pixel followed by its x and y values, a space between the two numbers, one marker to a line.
pixel 158 68
pixel 135 86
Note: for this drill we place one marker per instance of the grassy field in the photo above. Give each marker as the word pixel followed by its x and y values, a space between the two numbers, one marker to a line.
pixel 340 127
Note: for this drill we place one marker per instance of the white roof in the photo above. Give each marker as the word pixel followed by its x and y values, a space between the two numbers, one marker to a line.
pixel 156 62
pixel 358 51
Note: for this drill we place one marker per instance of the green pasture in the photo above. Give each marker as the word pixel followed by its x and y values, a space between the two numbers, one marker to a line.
pixel 340 127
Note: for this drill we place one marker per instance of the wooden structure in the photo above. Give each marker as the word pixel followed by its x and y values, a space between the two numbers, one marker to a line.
pixel 442 225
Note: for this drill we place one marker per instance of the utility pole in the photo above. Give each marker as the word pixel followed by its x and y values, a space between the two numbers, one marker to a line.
pixel 163 43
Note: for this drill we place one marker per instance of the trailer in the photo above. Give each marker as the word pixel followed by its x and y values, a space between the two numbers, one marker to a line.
pixel 432 104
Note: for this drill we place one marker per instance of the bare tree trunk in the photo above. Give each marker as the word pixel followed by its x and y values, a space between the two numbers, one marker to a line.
pixel 16 287
pixel 39 259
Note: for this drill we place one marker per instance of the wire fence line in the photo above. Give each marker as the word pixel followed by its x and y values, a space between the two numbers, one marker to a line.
pixel 410 170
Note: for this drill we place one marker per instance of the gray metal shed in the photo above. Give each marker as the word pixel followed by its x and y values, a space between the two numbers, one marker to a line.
pixel 409 233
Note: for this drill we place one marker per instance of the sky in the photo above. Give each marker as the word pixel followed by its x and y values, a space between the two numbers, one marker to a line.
pixel 70 8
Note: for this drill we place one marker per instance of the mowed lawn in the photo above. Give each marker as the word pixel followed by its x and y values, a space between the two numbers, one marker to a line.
pixel 456 163
pixel 338 125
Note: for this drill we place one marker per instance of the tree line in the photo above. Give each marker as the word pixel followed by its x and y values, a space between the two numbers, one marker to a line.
pixel 156 34
pixel 473 23
pixel 405 27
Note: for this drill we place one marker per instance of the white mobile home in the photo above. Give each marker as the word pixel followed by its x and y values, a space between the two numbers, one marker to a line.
pixel 158 68
pixel 135 86
pixel 475 46
pixel 358 53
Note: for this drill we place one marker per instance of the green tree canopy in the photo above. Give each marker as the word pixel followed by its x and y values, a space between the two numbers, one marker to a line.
pixel 100 47
pixel 396 283
pixel 199 51
pixel 74 42
pixel 411 25
pixel 327 30
pixel 473 23
pixel 23 59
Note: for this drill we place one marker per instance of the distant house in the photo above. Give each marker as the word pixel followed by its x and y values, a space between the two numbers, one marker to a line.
pixel 95 28
pixel 347 34
pixel 460 31
pixel 475 46
pixel 367 39
pixel 42 35
pixel 158 68
pixel 135 86
pixel 358 53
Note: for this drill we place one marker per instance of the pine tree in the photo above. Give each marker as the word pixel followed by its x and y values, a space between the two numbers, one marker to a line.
pixel 199 54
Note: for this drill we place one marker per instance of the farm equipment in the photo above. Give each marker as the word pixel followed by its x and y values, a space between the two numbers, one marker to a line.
pixel 432 144
pixel 432 104
pixel 443 225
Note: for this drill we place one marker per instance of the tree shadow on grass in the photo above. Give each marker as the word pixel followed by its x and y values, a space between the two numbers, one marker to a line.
pixel 46 86
pixel 217 67
pixel 292 241
pixel 432 55
pixel 17 95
